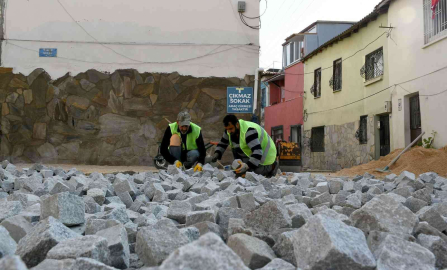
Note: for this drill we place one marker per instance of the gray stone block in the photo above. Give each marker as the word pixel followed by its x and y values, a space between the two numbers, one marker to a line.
pixel 423 194
pixel 178 211
pixel 278 264
pixel 34 247
pixel 118 213
pixel 246 201
pixel 8 245
pixel 396 253
pixel 415 204
pixel 437 246
pixel 284 247
pixel 12 263
pixel 17 227
pixel 155 243
pixel 118 244
pixel 90 264
pixel 380 214
pixel 271 216
pixel 192 233
pixel 237 225
pixel 51 264
pixel 209 252
pixel 9 209
pixel 91 206
pixel 335 185
pixel 90 246
pixel 207 226
pixel 375 238
pixel 200 216
pixel 97 194
pixel 95 225
pixel 430 215
pixel 225 213
pixel 66 207
pixel 254 253
pixel 300 209
pixel 325 243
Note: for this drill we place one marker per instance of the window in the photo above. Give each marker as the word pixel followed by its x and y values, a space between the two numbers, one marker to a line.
pixel 362 132
pixel 317 83
pixel 295 132
pixel 373 67
pixel 292 52
pixel 335 81
pixel 277 133
pixel 317 137
pixel 435 21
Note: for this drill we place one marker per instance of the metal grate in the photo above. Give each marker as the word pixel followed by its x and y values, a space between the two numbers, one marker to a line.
pixel 317 138
pixel 373 67
pixel 362 132
pixel 435 22
pixel 415 113
pixel 335 81
pixel 317 83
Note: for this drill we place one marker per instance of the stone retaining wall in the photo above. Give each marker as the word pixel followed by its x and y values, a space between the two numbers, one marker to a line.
pixel 103 119
pixel 342 148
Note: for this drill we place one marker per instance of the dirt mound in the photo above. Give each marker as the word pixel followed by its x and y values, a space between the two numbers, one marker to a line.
pixel 417 160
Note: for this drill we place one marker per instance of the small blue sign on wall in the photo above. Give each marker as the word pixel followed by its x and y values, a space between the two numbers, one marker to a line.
pixel 239 99
pixel 47 52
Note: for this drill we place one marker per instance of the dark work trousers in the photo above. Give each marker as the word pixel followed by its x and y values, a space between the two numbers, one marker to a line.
pixel 191 156
pixel 266 170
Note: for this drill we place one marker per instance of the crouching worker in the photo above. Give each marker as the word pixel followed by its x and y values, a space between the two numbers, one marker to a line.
pixel 251 144
pixel 182 143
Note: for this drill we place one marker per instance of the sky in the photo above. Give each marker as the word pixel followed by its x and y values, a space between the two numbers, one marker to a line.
pixel 285 17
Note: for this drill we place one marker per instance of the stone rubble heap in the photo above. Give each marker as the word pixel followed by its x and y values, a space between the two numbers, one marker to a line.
pixel 56 219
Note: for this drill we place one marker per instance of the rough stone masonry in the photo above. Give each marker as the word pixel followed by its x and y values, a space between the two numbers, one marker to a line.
pixel 104 119
pixel 174 219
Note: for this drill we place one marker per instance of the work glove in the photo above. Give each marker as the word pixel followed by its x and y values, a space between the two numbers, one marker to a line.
pixel 198 167
pixel 215 157
pixel 242 168
pixel 178 164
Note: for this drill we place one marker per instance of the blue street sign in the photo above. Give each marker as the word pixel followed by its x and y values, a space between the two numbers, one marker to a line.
pixel 239 99
pixel 47 52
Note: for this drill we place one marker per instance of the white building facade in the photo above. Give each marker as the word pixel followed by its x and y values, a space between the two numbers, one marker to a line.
pixel 417 57
pixel 201 38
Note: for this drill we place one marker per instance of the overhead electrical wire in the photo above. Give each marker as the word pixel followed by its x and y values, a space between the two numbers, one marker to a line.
pixel 255 27
pixel 139 63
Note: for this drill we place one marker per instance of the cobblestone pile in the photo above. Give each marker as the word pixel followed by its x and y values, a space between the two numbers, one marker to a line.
pixel 56 219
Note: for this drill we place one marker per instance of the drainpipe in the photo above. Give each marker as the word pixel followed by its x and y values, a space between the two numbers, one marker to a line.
pixel 257 93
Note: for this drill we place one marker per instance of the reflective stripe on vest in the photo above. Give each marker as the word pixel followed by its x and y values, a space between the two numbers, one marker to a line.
pixel 190 137
pixel 267 145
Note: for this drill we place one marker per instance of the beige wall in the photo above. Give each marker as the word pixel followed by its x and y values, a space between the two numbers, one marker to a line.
pixel 410 58
pixel 354 88
pixel 353 85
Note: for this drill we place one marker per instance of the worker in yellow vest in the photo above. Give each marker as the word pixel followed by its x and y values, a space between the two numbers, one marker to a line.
pixel 251 144
pixel 182 143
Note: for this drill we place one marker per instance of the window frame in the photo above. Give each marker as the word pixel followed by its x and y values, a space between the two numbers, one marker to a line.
pixel 367 60
pixel 317 86
pixel 334 65
pixel 434 28
pixel 276 128
pixel 317 148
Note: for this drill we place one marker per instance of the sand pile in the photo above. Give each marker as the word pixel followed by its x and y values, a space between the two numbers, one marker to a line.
pixel 417 160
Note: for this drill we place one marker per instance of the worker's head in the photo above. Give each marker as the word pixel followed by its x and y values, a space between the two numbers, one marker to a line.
pixel 183 121
pixel 231 124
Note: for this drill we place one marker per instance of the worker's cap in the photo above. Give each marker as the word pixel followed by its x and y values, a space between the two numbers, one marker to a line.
pixel 184 119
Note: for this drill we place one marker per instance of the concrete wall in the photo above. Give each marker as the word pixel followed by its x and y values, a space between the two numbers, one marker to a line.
pixel 104 119
pixel 149 36
pixel 408 50
pixel 353 88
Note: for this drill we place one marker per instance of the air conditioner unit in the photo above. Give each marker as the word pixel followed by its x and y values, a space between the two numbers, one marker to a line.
pixel 388 106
